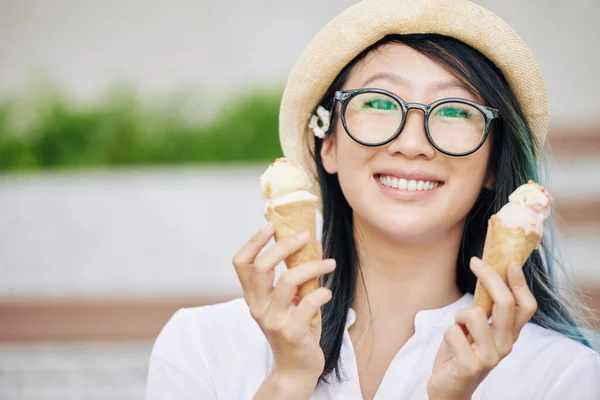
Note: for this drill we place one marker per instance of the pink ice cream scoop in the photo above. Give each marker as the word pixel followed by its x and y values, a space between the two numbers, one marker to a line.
pixel 528 208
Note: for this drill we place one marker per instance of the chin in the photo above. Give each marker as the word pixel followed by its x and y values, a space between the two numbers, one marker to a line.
pixel 411 223
pixel 407 227
pixel 409 233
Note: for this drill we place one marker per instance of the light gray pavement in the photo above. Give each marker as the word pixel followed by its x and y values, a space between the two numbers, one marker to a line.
pixel 74 371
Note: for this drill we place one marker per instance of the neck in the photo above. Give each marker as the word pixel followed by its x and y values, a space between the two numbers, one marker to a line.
pixel 397 279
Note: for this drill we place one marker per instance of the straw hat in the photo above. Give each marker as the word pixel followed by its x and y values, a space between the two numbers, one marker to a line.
pixel 366 22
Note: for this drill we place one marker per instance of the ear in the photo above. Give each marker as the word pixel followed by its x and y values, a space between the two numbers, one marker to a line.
pixel 489 180
pixel 329 153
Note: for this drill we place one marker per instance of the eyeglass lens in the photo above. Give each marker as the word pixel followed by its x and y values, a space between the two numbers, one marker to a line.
pixel 454 127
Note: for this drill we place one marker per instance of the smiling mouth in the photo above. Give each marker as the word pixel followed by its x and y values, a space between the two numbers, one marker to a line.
pixel 409 185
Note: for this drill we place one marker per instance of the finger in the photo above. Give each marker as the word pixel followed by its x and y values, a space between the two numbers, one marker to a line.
pixel 246 255
pixel 503 310
pixel 308 307
pixel 526 304
pixel 282 249
pixel 263 270
pixel 475 320
pixel 461 349
pixel 320 249
pixel 290 281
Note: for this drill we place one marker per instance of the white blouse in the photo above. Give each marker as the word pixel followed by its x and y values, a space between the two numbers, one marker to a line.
pixel 219 352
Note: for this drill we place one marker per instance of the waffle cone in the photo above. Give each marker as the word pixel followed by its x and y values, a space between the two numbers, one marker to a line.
pixel 291 219
pixel 503 246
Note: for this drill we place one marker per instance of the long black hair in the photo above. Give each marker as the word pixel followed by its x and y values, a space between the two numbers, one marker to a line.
pixel 513 162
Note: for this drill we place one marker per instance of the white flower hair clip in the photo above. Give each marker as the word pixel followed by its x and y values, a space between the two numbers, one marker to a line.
pixel 320 123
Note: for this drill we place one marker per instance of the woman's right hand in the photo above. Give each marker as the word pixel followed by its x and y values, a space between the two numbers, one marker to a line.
pixel 286 323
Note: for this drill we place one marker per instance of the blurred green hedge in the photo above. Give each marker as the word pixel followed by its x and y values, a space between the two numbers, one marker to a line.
pixel 50 132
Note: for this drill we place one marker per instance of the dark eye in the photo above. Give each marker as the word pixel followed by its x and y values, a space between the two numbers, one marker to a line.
pixel 380 104
pixel 453 112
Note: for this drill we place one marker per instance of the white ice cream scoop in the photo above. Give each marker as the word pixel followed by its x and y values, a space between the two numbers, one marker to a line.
pixel 282 177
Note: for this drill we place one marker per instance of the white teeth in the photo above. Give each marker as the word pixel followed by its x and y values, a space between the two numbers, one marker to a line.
pixel 403 184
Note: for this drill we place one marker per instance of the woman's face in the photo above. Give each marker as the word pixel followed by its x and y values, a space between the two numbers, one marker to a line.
pixel 405 214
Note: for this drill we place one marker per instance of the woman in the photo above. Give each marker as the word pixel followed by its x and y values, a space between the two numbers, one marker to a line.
pixel 406 198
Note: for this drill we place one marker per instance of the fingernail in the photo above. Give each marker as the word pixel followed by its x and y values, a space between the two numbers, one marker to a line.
pixel 476 262
pixel 330 263
pixel 267 228
pixel 303 236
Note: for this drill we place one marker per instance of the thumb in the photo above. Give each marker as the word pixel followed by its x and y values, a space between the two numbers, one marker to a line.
pixel 525 300
pixel 516 277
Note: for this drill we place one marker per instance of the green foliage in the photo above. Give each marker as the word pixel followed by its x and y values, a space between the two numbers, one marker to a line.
pixel 50 132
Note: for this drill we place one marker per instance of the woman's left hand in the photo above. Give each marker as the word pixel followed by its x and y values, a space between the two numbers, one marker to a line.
pixel 460 366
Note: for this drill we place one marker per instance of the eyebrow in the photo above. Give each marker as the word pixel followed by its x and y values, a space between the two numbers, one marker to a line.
pixel 385 76
pixel 436 86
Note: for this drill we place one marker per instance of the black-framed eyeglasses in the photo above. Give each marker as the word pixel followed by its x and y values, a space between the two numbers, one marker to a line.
pixel 454 126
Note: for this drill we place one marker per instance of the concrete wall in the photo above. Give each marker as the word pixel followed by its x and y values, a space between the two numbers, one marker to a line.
pixel 165 232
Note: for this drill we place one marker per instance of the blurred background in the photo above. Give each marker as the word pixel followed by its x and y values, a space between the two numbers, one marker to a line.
pixel 132 135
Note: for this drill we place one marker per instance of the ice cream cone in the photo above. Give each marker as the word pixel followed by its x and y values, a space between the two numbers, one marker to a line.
pixel 291 219
pixel 503 246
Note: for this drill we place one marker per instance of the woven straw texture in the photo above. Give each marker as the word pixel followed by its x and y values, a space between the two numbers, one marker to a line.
pixel 366 22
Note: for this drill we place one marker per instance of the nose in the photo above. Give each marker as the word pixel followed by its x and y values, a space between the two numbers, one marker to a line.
pixel 412 141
